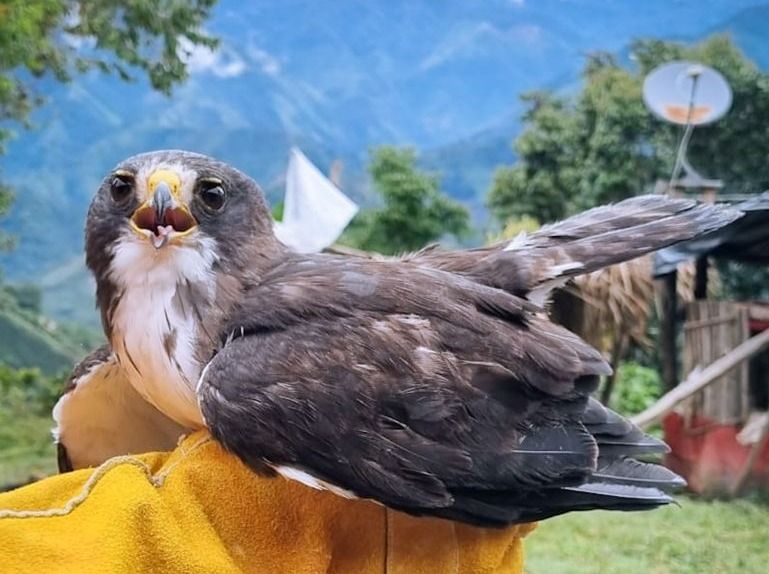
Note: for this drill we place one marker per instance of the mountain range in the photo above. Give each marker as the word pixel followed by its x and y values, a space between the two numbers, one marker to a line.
pixel 335 79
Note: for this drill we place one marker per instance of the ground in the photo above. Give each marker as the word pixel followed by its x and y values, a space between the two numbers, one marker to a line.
pixel 699 537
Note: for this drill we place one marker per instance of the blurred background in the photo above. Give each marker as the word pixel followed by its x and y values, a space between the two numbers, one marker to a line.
pixel 460 121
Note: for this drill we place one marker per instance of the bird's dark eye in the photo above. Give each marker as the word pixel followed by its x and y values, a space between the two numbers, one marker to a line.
pixel 121 187
pixel 212 195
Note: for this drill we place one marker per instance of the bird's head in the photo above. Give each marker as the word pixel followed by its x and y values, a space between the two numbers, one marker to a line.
pixel 177 213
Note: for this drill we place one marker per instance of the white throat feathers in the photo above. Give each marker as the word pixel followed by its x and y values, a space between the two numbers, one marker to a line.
pixel 156 325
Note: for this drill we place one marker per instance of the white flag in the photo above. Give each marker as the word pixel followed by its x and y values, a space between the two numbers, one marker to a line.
pixel 315 211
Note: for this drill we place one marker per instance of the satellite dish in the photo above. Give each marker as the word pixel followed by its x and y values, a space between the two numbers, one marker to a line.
pixel 687 93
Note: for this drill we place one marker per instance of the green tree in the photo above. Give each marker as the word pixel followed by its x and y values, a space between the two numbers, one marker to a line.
pixel 602 144
pixel 59 38
pixel 413 213
pixel 540 185
pixel 6 197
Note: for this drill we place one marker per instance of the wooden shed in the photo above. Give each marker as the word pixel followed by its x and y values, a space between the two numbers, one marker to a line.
pixel 717 419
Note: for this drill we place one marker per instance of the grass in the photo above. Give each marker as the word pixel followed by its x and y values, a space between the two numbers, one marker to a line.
pixel 700 537
pixel 26 446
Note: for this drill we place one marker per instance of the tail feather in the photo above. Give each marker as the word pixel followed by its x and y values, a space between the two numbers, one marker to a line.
pixel 630 445
pixel 601 420
pixel 610 494
pixel 634 211
pixel 626 214
pixel 612 234
pixel 533 264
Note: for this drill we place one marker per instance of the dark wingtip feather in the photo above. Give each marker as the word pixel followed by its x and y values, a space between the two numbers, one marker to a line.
pixel 632 472
pixel 616 435
pixel 609 494
pixel 633 443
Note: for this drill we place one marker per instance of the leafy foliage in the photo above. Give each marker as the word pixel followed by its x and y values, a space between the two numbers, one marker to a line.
pixel 27 395
pixel 31 387
pixel 516 226
pixel 414 211
pixel 27 296
pixel 58 38
pixel 602 145
pixel 743 282
pixel 637 388
pixel 6 198
pixel 26 448
pixel 540 184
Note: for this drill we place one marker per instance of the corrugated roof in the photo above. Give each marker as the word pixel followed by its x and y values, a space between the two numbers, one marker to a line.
pixel 745 240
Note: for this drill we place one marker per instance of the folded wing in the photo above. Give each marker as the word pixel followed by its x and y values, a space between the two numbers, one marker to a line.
pixel 420 389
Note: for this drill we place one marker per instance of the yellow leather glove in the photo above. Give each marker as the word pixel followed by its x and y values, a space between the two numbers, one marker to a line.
pixel 198 509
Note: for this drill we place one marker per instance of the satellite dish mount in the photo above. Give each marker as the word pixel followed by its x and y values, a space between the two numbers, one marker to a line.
pixel 687 94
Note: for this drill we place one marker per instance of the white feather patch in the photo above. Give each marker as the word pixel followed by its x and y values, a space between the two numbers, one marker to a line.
pixel 560 276
pixel 541 294
pixel 520 241
pixel 558 270
pixel 307 479
pixel 146 315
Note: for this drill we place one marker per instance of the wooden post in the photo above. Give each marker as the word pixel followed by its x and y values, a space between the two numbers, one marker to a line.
pixel 701 278
pixel 668 331
pixel 618 352
pixel 701 378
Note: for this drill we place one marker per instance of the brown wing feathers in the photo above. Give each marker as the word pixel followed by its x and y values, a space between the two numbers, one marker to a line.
pixel 415 387
pixel 433 386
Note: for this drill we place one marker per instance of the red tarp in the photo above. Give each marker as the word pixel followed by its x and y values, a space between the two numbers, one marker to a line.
pixel 709 456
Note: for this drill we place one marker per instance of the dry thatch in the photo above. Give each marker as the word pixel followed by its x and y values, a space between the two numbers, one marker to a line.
pixel 611 308
pixel 617 302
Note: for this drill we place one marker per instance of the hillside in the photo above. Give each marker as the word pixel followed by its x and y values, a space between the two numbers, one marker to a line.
pixel 29 340
pixel 334 79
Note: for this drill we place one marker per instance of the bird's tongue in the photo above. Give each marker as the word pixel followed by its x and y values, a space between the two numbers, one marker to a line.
pixel 162 225
pixel 160 237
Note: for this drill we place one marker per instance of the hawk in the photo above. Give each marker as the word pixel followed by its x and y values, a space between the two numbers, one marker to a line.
pixel 432 383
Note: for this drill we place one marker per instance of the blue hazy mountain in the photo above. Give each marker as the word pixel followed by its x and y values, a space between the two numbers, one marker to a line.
pixel 334 78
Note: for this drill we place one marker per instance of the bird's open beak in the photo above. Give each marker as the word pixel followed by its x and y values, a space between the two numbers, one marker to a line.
pixel 164 217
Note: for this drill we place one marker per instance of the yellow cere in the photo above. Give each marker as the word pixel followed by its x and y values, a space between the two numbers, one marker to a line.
pixel 169 177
